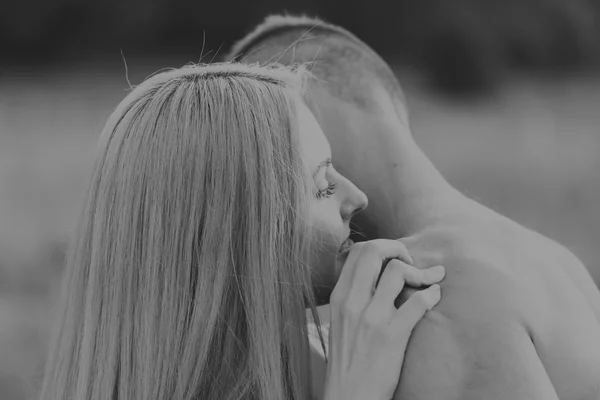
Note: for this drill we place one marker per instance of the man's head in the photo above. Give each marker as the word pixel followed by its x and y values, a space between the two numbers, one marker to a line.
pixel 344 66
pixel 360 107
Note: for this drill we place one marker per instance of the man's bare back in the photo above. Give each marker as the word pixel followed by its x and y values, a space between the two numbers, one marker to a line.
pixel 520 315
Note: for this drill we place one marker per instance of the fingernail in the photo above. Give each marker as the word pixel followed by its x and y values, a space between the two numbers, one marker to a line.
pixel 439 270
pixel 436 287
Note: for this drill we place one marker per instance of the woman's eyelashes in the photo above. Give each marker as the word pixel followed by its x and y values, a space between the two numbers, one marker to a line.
pixel 328 191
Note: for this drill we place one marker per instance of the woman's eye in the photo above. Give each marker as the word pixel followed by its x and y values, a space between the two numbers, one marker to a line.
pixel 327 192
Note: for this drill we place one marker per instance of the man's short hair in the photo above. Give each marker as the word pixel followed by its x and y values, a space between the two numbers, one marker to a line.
pixel 336 56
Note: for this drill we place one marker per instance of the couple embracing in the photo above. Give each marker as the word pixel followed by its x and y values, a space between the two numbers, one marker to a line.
pixel 214 257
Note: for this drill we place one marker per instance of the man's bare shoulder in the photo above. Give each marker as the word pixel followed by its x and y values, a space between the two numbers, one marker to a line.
pixel 502 320
pixel 477 355
pixel 476 341
pixel 578 273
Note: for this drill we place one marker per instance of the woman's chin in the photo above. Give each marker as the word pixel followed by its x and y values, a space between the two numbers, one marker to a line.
pixel 340 260
pixel 341 256
pixel 328 269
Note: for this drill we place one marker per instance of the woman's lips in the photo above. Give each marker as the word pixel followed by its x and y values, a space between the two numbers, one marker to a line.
pixel 346 245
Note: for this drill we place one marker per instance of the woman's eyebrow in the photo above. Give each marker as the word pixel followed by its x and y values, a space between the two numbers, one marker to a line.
pixel 324 163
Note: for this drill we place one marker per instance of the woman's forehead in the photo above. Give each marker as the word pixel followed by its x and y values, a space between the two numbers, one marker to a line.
pixel 314 145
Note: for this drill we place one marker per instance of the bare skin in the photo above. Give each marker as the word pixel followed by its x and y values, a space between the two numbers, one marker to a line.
pixel 520 315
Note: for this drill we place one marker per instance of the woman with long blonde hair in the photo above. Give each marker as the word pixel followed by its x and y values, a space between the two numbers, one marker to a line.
pixel 213 220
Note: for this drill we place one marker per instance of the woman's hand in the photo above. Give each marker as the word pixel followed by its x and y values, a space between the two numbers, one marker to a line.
pixel 368 335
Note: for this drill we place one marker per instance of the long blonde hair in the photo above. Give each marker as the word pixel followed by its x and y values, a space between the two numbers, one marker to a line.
pixel 189 273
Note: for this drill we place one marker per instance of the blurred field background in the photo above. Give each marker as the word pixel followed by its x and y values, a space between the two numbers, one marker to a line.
pixel 504 98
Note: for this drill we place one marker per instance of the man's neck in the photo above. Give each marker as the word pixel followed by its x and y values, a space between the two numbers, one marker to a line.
pixel 419 193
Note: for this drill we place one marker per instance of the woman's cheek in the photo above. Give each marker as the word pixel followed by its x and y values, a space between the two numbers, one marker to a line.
pixel 328 234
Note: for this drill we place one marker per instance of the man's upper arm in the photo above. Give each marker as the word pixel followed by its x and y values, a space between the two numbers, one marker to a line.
pixel 478 357
pixel 582 278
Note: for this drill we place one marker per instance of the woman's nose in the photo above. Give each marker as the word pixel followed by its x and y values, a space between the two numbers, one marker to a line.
pixel 355 201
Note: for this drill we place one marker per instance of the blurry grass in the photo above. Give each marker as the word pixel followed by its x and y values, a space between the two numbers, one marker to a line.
pixel 531 153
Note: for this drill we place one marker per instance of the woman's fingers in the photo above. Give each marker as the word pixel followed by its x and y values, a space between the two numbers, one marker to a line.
pixel 391 283
pixel 411 312
pixel 362 267
pixel 393 278
pixel 423 277
pixel 372 257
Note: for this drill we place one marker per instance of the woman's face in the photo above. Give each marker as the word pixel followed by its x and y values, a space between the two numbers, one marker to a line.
pixel 332 204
